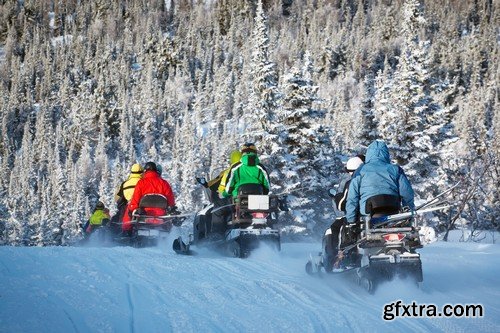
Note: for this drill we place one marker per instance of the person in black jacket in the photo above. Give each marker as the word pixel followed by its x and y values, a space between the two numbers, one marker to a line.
pixel 331 238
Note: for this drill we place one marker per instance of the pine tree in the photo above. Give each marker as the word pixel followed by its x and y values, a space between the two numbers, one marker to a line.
pixel 368 125
pixel 305 146
pixel 188 193
pixel 407 95
pixel 300 115
pixel 60 198
pixel 264 96
pixel 21 193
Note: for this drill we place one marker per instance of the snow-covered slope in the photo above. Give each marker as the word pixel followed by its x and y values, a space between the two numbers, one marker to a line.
pixel 122 289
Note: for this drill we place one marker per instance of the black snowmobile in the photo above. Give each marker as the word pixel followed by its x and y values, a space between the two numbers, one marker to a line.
pixel 149 228
pixel 384 248
pixel 248 223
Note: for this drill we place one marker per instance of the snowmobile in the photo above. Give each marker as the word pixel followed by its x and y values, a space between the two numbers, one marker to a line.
pixel 151 222
pixel 251 217
pixel 388 250
pixel 384 248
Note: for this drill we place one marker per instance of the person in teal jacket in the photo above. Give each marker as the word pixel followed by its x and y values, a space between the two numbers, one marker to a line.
pixel 247 171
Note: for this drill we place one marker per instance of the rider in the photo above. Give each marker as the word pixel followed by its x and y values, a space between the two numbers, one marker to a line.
pixel 100 217
pixel 218 184
pixel 125 192
pixel 150 183
pixel 234 158
pixel 351 166
pixel 331 239
pixel 247 171
pixel 378 186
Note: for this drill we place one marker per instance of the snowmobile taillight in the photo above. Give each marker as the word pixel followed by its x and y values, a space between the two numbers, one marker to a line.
pixel 394 237
pixel 152 220
pixel 259 215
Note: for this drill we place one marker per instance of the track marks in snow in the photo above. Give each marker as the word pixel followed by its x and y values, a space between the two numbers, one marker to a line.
pixel 71 321
pixel 130 307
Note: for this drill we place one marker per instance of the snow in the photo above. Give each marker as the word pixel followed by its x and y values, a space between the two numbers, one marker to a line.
pixel 123 289
pixel 51 20
pixel 61 40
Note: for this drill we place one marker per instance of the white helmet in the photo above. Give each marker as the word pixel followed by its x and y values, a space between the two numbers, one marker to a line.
pixel 353 163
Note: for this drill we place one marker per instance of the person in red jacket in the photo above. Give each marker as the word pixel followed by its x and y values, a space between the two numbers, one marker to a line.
pixel 150 183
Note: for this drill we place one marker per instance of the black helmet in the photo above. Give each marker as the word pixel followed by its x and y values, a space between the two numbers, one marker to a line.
pixel 99 205
pixel 150 166
pixel 248 148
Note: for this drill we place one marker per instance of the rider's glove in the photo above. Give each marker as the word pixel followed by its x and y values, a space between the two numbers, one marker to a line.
pixel 283 204
pixel 202 181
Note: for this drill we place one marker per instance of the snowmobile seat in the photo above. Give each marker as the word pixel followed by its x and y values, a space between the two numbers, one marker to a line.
pixel 246 189
pixel 382 204
pixel 153 201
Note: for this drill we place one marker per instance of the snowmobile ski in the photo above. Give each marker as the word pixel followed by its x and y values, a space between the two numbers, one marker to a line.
pixel 314 267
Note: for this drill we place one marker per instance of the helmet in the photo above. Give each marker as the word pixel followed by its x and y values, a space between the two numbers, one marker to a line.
pixel 150 166
pixel 99 205
pixel 136 168
pixel 353 163
pixel 234 157
pixel 159 169
pixel 248 148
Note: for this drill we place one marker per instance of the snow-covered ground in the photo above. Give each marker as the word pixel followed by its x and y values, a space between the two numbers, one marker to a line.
pixel 122 289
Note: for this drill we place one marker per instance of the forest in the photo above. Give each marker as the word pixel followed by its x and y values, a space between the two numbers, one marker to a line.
pixel 87 88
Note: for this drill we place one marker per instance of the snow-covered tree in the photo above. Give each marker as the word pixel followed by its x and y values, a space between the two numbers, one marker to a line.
pixel 304 141
pixel 263 100
pixel 407 97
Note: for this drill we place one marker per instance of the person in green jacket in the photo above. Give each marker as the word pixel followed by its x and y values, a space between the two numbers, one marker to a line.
pixel 247 171
pixel 100 217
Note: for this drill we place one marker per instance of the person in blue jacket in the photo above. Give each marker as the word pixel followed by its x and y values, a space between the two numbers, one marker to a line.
pixel 378 184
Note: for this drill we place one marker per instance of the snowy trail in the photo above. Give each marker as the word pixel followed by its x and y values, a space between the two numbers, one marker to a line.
pixel 121 289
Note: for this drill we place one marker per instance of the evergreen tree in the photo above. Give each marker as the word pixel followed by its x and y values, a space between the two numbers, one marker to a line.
pixel 304 142
pixel 368 125
pixel 264 95
pixel 407 94
pixel 303 134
